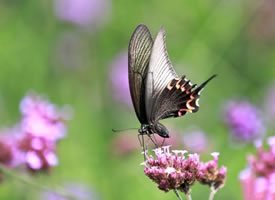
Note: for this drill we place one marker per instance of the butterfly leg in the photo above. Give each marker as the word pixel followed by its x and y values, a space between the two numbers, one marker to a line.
pixel 153 139
pixel 141 142
pixel 163 141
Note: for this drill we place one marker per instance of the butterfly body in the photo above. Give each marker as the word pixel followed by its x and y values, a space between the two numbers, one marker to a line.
pixel 148 129
pixel 156 90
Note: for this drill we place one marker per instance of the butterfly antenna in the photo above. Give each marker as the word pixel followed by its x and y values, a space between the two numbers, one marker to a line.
pixel 122 130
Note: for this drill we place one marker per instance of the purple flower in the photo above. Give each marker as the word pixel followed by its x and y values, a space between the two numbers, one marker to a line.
pixel 82 12
pixel 42 118
pixel 258 180
pixel 195 140
pixel 119 79
pixel 173 171
pixel 244 120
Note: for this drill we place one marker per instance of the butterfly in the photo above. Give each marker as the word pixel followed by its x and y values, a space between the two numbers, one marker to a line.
pixel 157 91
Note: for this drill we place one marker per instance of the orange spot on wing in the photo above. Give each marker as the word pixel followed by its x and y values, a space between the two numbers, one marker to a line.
pixel 169 86
pixel 189 106
pixel 177 84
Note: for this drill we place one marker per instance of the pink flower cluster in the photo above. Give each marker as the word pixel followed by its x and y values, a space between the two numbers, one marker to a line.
pixel 33 141
pixel 173 171
pixel 258 180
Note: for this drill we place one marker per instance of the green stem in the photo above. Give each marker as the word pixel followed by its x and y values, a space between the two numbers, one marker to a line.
pixel 212 194
pixel 7 172
pixel 177 194
pixel 188 196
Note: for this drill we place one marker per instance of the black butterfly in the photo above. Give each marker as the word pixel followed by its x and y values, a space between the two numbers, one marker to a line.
pixel 156 90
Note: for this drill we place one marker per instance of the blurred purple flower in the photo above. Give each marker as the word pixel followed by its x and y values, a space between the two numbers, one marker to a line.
pixel 258 180
pixel 173 171
pixel 195 140
pixel 42 118
pixel 119 79
pixel 74 191
pixel 244 120
pixel 82 12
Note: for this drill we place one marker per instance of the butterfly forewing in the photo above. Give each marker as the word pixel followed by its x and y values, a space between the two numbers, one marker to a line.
pixel 139 52
pixel 160 72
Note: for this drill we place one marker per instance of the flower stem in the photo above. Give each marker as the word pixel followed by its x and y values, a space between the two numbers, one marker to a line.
pixel 188 196
pixel 177 194
pixel 7 172
pixel 212 194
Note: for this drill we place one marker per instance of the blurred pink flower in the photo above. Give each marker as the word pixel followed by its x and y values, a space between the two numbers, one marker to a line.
pixel 39 153
pixel 125 143
pixel 173 171
pixel 42 118
pixel 82 12
pixel 173 140
pixel 258 180
pixel 33 141
pixel 195 140
pixel 119 79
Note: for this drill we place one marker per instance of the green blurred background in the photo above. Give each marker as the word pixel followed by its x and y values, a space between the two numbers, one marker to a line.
pixel 234 39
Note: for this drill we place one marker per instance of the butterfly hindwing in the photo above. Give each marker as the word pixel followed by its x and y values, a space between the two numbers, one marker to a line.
pixel 139 52
pixel 179 97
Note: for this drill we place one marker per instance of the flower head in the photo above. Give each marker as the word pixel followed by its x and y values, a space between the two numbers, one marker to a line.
pixel 42 118
pixel 258 180
pixel 175 171
pixel 211 175
pixel 263 164
pixel 244 121
pixel 39 153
